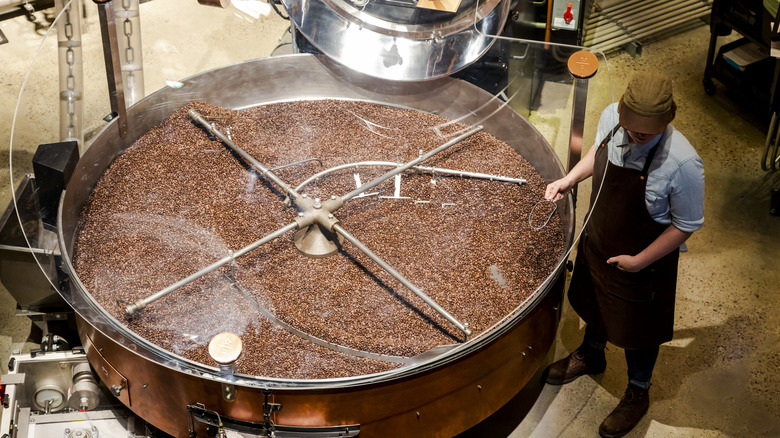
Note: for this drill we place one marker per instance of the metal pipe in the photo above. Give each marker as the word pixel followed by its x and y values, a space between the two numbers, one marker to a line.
pixel 140 304
pixel 464 327
pixel 774 157
pixel 297 163
pixel 577 123
pixel 624 9
pixel 655 16
pixel 771 164
pixel 412 163
pixel 768 142
pixel 605 12
pixel 199 119
pixel 25 249
pixel 424 169
pixel 618 16
pixel 679 22
pixel 658 12
pixel 645 20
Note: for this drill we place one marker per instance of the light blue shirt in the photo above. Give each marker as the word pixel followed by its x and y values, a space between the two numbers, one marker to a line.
pixel 675 182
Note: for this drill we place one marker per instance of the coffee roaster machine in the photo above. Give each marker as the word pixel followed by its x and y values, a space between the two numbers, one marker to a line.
pixel 93 377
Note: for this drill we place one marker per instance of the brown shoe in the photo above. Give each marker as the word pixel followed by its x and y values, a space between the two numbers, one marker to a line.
pixel 627 413
pixel 574 365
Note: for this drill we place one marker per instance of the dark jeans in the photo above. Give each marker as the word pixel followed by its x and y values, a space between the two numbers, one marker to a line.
pixel 640 362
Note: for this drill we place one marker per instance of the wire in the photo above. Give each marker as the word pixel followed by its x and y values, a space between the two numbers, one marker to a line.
pixel 279 13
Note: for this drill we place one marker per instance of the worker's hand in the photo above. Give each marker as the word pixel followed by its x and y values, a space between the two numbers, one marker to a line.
pixel 556 189
pixel 625 263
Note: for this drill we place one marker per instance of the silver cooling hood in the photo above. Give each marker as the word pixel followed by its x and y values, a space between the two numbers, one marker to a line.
pixel 395 39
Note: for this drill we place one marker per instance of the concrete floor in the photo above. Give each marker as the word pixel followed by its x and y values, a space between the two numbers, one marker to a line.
pixel 719 377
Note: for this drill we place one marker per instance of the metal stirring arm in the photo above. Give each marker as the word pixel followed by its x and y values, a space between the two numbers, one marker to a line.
pixel 314 213
pixel 435 170
pixel 140 304
pixel 416 161
pixel 464 327
pixel 264 171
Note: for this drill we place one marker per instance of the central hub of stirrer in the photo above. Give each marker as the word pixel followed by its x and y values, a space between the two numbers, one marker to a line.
pixel 315 237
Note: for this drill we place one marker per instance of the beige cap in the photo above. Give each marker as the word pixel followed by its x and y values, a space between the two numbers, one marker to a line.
pixel 647 105
pixel 225 348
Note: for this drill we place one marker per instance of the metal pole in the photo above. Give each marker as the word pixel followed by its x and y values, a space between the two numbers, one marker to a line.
pixel 412 163
pixel 582 66
pixel 140 304
pixel 288 191
pixel 438 170
pixel 116 91
pixel 464 327
pixel 677 21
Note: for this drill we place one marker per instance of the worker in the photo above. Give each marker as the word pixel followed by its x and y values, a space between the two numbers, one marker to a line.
pixel 647 199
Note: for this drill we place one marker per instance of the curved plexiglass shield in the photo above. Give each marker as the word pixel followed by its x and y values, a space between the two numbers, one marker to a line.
pixel 345 227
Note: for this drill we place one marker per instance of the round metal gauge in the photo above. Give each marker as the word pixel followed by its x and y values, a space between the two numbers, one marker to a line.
pixel 49 398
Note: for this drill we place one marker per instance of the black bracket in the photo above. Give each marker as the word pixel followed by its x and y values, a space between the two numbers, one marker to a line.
pixel 219 422
pixel 53 165
pixel 268 411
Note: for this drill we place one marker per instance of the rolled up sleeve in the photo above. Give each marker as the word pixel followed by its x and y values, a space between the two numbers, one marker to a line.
pixel 686 200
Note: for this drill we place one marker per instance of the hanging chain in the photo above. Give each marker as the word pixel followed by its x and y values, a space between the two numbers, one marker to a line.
pixel 70 82
pixel 129 51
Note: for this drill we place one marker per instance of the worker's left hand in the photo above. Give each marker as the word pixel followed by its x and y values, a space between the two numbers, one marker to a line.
pixel 625 263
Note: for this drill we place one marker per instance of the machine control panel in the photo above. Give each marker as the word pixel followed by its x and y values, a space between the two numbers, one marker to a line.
pixel 565 14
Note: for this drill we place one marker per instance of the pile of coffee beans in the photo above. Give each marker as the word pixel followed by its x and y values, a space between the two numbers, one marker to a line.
pixel 178 200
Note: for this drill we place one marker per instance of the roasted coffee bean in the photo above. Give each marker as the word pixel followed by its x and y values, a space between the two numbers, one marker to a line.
pixel 177 200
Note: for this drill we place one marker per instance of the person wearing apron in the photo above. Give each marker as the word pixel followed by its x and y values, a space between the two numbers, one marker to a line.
pixel 647 199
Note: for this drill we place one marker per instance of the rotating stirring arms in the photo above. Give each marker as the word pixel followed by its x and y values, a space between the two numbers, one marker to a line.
pixel 319 233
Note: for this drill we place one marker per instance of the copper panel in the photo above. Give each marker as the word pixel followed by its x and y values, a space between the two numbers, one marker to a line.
pixel 442 402
pixel 108 374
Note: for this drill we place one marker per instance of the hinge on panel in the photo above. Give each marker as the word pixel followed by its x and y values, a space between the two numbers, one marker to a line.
pixel 221 424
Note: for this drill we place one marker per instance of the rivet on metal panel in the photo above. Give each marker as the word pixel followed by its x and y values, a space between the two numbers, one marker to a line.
pixel 228 392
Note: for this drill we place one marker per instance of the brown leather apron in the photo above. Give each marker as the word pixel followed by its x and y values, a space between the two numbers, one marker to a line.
pixel 633 310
